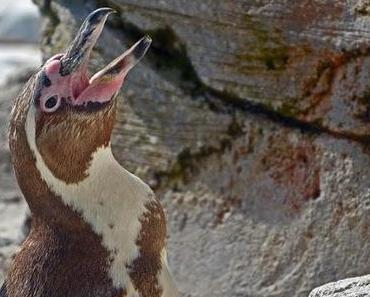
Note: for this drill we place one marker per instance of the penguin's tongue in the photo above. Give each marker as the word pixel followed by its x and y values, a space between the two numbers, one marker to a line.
pixel 103 85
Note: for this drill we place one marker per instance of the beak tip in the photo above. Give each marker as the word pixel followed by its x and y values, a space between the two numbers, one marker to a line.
pixel 141 47
pixel 97 15
pixel 79 51
pixel 147 39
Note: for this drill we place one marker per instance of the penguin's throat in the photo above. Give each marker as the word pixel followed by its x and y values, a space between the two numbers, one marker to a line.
pixel 110 199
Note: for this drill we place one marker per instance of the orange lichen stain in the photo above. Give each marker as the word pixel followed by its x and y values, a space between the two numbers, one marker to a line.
pixel 317 89
pixel 294 168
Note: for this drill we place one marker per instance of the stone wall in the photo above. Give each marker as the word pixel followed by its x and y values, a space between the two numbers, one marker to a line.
pixel 251 121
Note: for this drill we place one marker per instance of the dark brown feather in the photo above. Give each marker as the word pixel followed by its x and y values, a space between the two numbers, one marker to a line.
pixel 62 255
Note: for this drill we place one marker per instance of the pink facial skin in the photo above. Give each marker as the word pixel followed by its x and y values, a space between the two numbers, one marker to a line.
pixel 76 87
pixel 59 86
pixel 100 91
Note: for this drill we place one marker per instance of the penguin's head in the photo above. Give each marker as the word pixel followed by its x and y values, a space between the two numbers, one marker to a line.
pixel 69 113
pixel 64 77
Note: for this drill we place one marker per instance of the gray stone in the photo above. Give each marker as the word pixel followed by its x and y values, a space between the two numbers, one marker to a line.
pixel 249 119
pixel 302 59
pixel 351 287
pixel 274 214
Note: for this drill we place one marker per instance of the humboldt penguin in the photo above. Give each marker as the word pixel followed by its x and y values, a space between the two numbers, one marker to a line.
pixel 97 230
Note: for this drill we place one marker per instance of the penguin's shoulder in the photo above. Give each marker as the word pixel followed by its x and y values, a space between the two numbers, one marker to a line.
pixel 3 291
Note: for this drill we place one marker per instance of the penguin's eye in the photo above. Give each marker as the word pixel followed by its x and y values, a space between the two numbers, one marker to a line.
pixel 50 104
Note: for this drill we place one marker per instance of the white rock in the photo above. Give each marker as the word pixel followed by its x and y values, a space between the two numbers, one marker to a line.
pixel 350 287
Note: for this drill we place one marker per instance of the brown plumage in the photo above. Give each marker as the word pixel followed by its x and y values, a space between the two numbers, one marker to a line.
pixel 97 230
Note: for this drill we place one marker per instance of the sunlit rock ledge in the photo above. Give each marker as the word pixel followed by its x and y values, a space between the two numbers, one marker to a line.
pixel 350 287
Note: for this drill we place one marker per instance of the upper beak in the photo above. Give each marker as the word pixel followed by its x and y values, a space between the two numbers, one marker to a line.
pixel 78 53
pixel 75 60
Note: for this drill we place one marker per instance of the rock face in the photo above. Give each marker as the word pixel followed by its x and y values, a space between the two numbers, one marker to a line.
pixel 352 287
pixel 251 120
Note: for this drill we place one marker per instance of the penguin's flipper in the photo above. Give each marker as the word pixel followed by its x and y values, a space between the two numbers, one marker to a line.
pixel 3 291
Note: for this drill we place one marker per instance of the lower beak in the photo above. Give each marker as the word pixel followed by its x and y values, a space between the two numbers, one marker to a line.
pixel 107 81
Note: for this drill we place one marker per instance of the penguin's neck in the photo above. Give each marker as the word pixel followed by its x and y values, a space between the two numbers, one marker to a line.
pixel 111 200
pixel 106 189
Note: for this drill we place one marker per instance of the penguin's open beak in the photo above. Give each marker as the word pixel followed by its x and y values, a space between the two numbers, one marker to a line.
pixel 102 86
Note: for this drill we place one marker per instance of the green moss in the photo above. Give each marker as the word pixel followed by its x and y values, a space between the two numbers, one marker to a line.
pixel 319 122
pixel 288 109
pixel 363 7
pixel 266 48
pixel 271 58
pixel 365 99
pixel 235 128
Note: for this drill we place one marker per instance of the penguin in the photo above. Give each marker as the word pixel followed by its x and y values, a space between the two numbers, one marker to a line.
pixel 97 230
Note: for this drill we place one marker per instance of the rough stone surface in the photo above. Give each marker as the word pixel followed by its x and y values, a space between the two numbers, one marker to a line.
pixel 302 59
pixel 352 287
pixel 250 119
